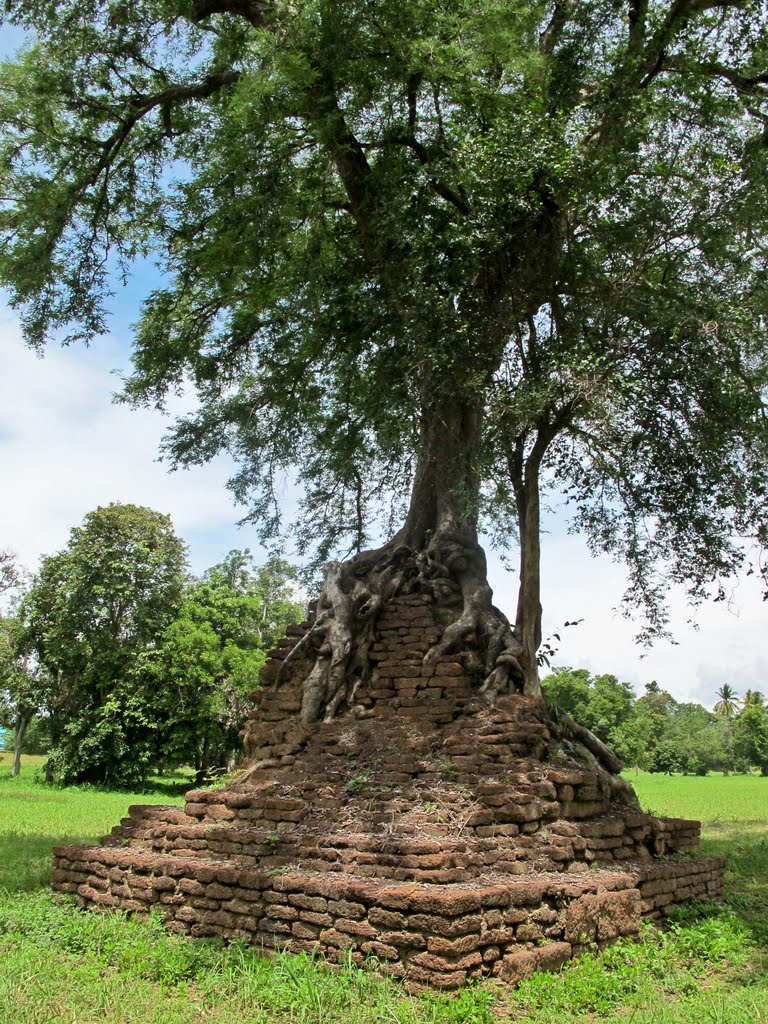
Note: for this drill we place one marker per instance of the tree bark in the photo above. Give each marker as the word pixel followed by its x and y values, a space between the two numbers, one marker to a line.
pixel 525 478
pixel 22 724
pixel 203 762
pixel 445 488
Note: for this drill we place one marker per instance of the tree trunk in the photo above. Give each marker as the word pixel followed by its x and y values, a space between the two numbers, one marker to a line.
pixel 22 724
pixel 444 494
pixel 438 546
pixel 202 763
pixel 525 478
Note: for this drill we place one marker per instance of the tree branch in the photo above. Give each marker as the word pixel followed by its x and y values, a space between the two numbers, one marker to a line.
pixel 550 37
pixel 678 15
pixel 348 157
pixel 257 12
pixel 143 105
pixel 638 12
pixel 745 85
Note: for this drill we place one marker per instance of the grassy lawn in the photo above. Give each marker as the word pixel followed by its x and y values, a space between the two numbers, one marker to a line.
pixel 59 966
pixel 35 817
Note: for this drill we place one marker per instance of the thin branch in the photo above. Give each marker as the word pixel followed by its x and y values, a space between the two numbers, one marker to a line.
pixel 678 16
pixel 745 85
pixel 456 197
pixel 143 105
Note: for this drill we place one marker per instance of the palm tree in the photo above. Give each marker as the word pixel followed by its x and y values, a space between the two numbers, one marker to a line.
pixel 753 698
pixel 728 705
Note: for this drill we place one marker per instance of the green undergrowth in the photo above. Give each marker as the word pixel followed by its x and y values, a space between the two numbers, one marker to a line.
pixel 61 966
pixel 704 965
pixel 34 817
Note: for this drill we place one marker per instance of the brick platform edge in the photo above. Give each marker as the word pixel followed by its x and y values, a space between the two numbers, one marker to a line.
pixel 438 935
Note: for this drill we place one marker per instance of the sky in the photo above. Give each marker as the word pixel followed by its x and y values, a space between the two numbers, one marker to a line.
pixel 66 448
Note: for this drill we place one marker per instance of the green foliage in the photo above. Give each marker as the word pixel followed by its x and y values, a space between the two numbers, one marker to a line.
pixel 601 703
pixel 727 704
pixel 92 610
pixel 37 739
pixel 691 742
pixel 10 574
pixel 655 731
pixel 24 683
pixel 134 665
pixel 551 218
pixel 750 735
pixel 356 783
pixel 207 662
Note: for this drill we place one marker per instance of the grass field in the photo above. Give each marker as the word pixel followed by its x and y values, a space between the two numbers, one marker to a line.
pixel 35 817
pixel 59 966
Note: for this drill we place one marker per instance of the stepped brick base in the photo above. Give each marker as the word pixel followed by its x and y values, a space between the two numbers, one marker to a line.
pixel 439 935
pixel 446 838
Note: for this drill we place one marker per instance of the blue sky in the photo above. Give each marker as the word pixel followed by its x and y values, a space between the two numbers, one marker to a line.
pixel 65 448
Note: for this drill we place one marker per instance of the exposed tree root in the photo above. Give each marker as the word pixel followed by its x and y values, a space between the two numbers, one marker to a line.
pixel 339 640
pixel 597 749
pixel 336 646
pixel 452 555
pixel 341 635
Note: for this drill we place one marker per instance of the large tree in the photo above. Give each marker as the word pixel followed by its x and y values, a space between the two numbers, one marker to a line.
pixel 23 684
pixel 456 253
pixel 91 612
pixel 750 734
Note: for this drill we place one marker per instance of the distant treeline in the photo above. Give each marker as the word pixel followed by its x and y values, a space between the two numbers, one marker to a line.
pixel 659 734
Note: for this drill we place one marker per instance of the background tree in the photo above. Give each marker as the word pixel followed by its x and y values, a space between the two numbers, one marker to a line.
pixel 23 684
pixel 92 610
pixel 208 661
pixel 11 574
pixel 458 255
pixel 650 717
pixel 750 735
pixel 601 703
pixel 728 702
pixel 691 743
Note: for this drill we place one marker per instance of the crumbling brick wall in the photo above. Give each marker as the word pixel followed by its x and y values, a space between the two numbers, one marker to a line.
pixel 442 836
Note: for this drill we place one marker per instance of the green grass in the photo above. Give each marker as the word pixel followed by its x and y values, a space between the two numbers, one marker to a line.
pixel 34 817
pixel 733 810
pixel 713 799
pixel 59 966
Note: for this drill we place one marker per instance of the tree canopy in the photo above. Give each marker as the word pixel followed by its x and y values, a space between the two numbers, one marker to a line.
pixel 134 665
pixel 658 733
pixel 432 259
pixel 207 662
pixel 93 609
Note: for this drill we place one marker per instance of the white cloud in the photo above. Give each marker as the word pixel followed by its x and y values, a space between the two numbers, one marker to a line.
pixel 727 646
pixel 65 449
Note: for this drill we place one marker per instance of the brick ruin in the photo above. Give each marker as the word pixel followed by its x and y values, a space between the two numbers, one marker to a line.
pixel 443 837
